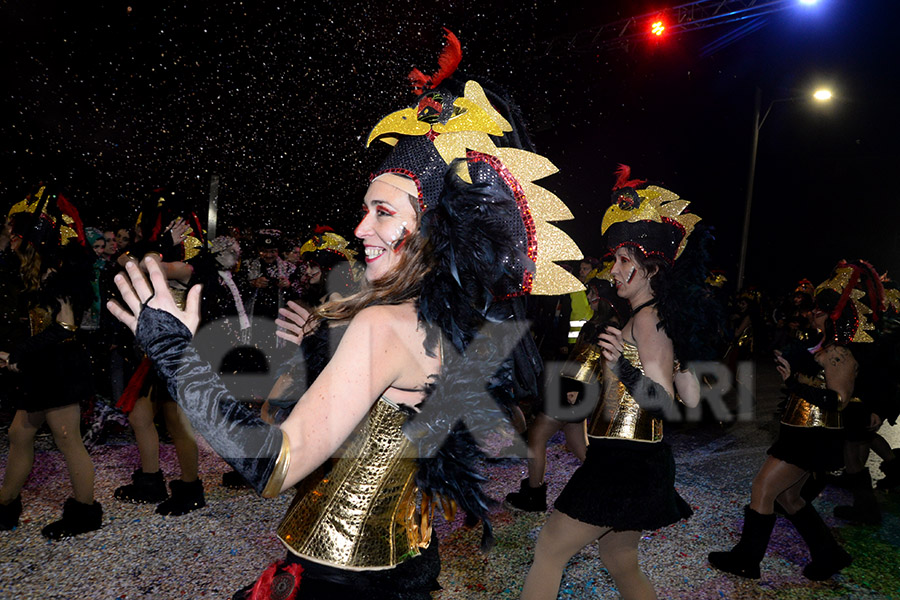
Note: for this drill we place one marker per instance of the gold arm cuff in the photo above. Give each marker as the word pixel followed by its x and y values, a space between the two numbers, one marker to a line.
pixel 67 326
pixel 273 487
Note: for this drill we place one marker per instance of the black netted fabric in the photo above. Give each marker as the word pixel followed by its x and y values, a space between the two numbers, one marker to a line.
pixel 625 485
pixel 810 448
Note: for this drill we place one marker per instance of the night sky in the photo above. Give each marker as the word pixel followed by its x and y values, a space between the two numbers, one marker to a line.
pixel 112 98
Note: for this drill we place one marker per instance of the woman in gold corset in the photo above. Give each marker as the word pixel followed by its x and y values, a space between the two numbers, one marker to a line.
pixel 821 383
pixel 627 482
pixel 452 244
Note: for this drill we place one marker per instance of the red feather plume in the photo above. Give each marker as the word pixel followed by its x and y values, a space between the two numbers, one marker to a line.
pixel 624 172
pixel 448 61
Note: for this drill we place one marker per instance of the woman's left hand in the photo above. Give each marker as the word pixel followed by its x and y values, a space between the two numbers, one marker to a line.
pixel 66 314
pixel 612 343
pixel 783 366
pixel 137 291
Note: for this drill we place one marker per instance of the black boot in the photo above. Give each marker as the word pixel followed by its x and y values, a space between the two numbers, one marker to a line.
pixel 744 558
pixel 891 470
pixel 827 555
pixel 528 498
pixel 814 485
pixel 185 498
pixel 145 488
pixel 865 509
pixel 77 518
pixel 9 514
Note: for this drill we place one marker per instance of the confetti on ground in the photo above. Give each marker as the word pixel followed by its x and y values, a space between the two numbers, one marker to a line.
pixel 214 551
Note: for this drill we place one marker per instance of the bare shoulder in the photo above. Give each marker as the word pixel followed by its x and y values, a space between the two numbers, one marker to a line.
pixel 837 356
pixel 646 327
pixel 387 318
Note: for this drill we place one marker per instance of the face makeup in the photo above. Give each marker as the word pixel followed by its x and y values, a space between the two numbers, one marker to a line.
pixel 389 219
pixel 399 237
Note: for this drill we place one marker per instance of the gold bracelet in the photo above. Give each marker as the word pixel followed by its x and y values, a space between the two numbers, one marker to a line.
pixel 68 326
pixel 276 479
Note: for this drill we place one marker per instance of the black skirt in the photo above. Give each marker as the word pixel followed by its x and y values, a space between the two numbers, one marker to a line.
pixel 625 485
pixel 856 418
pixel 413 579
pixel 810 448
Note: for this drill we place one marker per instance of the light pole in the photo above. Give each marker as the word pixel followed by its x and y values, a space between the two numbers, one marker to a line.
pixel 821 95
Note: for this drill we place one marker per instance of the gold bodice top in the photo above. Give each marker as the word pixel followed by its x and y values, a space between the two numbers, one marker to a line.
pixel 179 295
pixel 745 340
pixel 800 413
pixel 362 514
pixel 618 414
pixel 39 319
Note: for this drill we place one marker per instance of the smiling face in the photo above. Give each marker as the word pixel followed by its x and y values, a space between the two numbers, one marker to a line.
pixel 389 218
pixel 631 280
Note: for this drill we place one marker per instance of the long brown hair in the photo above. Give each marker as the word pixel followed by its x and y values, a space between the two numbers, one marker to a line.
pixel 400 285
pixel 30 266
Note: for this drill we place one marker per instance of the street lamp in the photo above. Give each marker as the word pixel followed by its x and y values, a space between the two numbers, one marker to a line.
pixel 821 95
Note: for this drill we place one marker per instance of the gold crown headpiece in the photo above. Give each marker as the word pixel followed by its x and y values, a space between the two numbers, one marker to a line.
pixel 853 297
pixel 647 217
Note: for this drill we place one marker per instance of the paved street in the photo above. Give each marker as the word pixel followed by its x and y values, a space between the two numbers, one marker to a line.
pixel 213 551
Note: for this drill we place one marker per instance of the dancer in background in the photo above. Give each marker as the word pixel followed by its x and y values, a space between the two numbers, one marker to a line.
pixel 627 482
pixel 55 266
pixel 578 373
pixel 821 383
pixel 171 237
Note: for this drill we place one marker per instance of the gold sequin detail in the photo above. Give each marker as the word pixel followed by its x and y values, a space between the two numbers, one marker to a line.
pixel 363 514
pixel 618 415
pixel 800 413
pixel 656 203
pixel 839 283
pixel 470 130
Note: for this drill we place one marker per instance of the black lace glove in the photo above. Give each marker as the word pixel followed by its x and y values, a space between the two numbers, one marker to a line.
pixel 649 395
pixel 256 450
pixel 822 397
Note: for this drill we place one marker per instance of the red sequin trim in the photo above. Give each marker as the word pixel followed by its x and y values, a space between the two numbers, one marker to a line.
pixel 521 202
pixel 643 250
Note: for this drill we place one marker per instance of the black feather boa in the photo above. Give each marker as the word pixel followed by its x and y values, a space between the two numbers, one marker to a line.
pixel 690 313
pixel 488 356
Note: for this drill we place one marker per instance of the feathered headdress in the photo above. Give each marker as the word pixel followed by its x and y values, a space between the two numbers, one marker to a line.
pixel 489 242
pixel 445 126
pixel 853 297
pixel 159 208
pixel 327 248
pixel 57 222
pixel 647 217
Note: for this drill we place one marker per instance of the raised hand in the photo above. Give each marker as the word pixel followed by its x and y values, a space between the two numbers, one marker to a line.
pixel 612 344
pixel 136 291
pixel 294 322
pixel 782 366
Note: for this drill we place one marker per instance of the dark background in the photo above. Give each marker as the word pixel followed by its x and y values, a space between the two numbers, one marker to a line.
pixel 112 98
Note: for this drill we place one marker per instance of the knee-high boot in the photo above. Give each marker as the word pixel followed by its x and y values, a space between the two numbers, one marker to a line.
pixel 745 557
pixel 891 470
pixel 865 508
pixel 827 555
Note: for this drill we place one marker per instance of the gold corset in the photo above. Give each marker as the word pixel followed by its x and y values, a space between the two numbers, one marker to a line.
pixel 179 295
pixel 362 514
pixel 618 415
pixel 800 413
